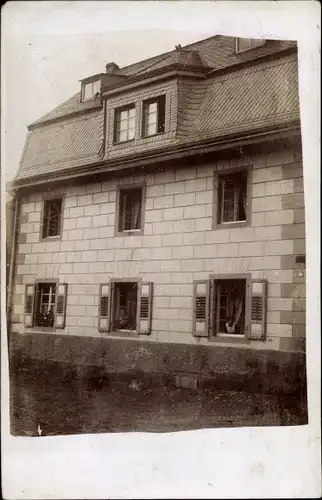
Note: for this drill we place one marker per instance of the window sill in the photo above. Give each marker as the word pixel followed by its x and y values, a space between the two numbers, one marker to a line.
pixel 122 334
pixel 40 329
pixel 152 135
pixel 116 143
pixel 52 238
pixel 236 339
pixel 231 225
pixel 131 232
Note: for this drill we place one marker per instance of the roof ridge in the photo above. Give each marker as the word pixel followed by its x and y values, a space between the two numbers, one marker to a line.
pixel 170 52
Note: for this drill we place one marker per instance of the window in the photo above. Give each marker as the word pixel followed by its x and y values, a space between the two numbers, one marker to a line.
pixel 125 307
pixel 52 218
pixel 45 305
pixel 232 194
pixel 230 306
pixel 243 44
pixel 153 116
pixel 124 126
pixel 91 90
pixel 130 213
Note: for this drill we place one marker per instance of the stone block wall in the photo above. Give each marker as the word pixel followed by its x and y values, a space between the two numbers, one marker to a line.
pixel 177 247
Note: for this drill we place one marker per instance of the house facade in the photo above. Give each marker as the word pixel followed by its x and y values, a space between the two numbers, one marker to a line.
pixel 160 219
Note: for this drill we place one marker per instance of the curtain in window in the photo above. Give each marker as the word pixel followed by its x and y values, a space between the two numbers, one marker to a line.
pixel 136 213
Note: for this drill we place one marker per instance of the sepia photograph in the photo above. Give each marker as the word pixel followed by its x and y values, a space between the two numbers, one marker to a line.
pixel 156 247
pixel 155 232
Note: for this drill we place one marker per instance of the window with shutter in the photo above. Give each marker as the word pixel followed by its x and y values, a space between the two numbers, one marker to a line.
pixel 45 304
pixel 144 313
pixel 201 293
pixel 229 305
pixel 257 326
pixel 104 313
pixel 61 301
pixel 29 305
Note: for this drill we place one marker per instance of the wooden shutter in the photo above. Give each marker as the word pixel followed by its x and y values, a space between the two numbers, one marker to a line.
pixel 29 304
pixel 201 291
pixel 104 313
pixel 144 309
pixel 61 300
pixel 257 323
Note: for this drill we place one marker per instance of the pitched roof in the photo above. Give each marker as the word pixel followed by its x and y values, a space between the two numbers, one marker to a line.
pixel 217 52
pixel 248 96
pixel 245 98
pixel 75 141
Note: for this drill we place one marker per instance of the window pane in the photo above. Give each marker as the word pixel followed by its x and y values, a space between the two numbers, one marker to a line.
pixel 152 118
pixel 131 123
pixel 152 129
pixel 88 92
pixel 132 112
pixel 123 125
pixel 131 133
pixel 123 114
pixel 96 86
pixel 152 107
pixel 123 135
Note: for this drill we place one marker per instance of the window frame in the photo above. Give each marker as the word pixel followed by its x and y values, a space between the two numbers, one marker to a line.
pixel 117 121
pixel 47 198
pixel 234 338
pixel 91 82
pixel 144 126
pixel 260 42
pixel 123 333
pixel 36 284
pixel 126 187
pixel 215 212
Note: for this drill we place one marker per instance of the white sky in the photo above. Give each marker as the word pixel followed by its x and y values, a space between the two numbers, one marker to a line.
pixel 46 53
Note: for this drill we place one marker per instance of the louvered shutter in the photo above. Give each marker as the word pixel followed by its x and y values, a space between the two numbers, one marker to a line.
pixel 29 304
pixel 257 326
pixel 104 313
pixel 201 290
pixel 61 300
pixel 144 310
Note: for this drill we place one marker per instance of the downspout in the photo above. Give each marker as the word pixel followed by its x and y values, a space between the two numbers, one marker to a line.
pixel 12 263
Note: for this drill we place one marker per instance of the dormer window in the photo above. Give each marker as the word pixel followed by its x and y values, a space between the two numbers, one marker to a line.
pixel 124 123
pixel 91 90
pixel 243 44
pixel 153 116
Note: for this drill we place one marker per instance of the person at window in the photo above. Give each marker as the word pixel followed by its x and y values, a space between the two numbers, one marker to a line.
pixel 233 322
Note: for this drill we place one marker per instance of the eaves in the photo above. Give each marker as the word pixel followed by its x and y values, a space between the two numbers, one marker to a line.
pixel 188 149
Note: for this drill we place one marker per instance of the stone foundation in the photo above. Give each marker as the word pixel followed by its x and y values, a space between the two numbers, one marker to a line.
pixel 227 367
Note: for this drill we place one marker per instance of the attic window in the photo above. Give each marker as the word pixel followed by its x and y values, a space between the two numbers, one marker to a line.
pixel 91 89
pixel 153 116
pixel 243 44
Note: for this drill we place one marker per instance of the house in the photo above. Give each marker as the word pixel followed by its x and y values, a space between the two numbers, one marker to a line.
pixel 161 219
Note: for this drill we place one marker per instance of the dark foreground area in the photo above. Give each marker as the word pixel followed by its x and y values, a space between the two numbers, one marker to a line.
pixel 51 399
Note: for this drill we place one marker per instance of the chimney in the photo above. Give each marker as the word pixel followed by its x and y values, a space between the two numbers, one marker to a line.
pixel 111 68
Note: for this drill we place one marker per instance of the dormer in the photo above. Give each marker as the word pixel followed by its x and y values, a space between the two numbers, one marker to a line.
pixel 91 87
pixel 245 44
